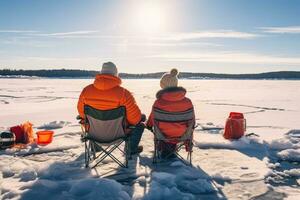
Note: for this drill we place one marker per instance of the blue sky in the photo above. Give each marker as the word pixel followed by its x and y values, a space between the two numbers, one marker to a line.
pixel 222 36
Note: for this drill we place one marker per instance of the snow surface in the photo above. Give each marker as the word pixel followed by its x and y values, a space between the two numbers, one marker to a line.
pixel 263 167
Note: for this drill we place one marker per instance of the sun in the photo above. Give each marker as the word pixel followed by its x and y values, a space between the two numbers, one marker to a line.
pixel 150 17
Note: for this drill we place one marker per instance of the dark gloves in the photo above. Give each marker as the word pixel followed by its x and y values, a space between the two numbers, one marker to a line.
pixel 143 118
pixel 78 117
pixel 81 120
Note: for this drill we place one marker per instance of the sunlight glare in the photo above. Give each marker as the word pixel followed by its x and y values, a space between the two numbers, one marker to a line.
pixel 150 17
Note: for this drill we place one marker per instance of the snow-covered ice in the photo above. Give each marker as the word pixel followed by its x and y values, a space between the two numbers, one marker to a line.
pixel 255 167
pixel 53 125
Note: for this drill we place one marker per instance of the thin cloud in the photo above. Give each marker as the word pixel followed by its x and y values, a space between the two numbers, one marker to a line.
pixel 229 57
pixel 91 36
pixel 26 41
pixel 211 34
pixel 18 31
pixel 180 37
pixel 287 29
pixel 48 62
pixel 71 33
pixel 166 44
pixel 79 35
pixel 62 59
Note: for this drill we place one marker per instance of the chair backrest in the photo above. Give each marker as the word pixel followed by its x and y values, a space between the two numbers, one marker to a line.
pixel 173 117
pixel 105 125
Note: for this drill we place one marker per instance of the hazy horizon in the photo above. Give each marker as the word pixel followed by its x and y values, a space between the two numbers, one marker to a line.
pixel 145 73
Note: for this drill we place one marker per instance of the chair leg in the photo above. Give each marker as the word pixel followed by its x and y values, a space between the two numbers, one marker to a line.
pixel 129 149
pixel 108 153
pixel 191 150
pixel 87 153
pixel 126 162
pixel 158 151
pixel 91 154
pixel 127 153
pixel 155 152
pixel 189 158
pixel 93 150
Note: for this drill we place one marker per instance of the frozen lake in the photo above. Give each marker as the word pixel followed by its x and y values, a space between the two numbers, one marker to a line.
pixel 256 167
pixel 270 106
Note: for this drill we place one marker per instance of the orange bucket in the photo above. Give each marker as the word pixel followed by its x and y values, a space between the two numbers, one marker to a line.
pixel 44 137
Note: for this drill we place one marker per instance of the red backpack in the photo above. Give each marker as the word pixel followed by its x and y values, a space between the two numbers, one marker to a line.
pixel 19 133
pixel 235 126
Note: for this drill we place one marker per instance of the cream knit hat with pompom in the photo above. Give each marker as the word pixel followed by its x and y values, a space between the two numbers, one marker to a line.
pixel 169 79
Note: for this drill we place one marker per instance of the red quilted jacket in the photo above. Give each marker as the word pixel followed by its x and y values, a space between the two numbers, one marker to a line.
pixel 171 100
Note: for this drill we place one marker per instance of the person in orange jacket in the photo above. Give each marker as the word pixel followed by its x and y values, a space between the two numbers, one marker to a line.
pixel 170 98
pixel 106 93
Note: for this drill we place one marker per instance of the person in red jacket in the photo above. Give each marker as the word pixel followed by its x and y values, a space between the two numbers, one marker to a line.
pixel 170 98
pixel 106 93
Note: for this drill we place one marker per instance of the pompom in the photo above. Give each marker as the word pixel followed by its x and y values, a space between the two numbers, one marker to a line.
pixel 174 72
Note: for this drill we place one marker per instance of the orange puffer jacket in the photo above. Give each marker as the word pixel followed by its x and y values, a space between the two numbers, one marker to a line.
pixel 105 94
pixel 171 100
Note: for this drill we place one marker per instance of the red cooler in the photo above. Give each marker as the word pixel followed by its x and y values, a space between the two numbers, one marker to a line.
pixel 235 126
pixel 19 134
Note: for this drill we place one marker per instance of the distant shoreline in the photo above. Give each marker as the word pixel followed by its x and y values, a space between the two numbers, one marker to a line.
pixel 200 79
pixel 84 74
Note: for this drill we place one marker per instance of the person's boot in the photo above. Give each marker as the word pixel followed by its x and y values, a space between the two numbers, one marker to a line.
pixel 138 150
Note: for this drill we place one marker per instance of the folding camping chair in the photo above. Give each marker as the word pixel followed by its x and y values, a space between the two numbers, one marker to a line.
pixel 104 132
pixel 185 140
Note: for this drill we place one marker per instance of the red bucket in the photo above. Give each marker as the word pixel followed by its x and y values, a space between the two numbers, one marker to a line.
pixel 44 137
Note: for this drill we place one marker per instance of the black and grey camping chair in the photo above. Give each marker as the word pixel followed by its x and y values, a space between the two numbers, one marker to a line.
pixel 185 140
pixel 104 132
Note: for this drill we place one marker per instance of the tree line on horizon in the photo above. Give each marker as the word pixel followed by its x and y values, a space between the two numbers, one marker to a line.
pixel 74 73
